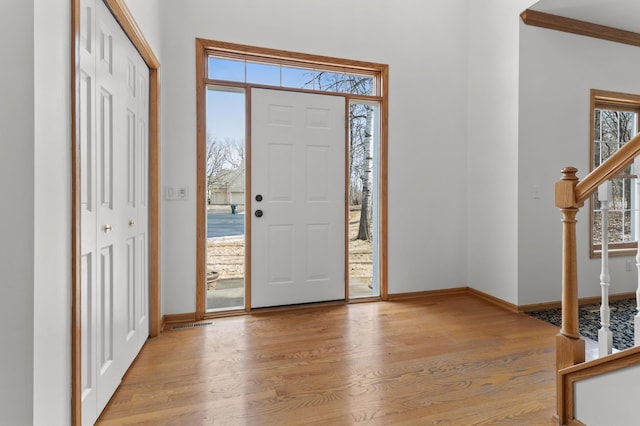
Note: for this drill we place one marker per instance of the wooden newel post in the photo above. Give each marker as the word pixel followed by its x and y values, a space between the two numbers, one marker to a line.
pixel 569 346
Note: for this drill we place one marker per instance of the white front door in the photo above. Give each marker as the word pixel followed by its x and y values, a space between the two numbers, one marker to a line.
pixel 298 197
pixel 113 121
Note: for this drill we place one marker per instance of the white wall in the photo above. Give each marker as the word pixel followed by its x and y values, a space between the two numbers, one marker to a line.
pixel 608 399
pixel 16 213
pixel 557 71
pixel 147 15
pixel 493 147
pixel 52 213
pixel 426 47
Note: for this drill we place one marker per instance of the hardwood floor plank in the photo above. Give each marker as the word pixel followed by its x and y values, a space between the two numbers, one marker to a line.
pixel 454 360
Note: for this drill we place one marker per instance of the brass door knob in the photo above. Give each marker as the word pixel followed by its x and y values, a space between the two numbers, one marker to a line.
pixel 132 222
pixel 106 228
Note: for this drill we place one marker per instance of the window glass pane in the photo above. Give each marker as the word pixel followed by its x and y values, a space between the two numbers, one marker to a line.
pixel 626 226
pixel 607 149
pixel 620 209
pixel 626 126
pixel 298 78
pixel 597 227
pixel 226 69
pixel 597 154
pixel 225 191
pixel 618 193
pixel 359 85
pixel 263 74
pixel 615 226
pixel 610 131
pixel 596 125
pixel 330 81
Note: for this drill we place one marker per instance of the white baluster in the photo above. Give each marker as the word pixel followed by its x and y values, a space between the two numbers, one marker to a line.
pixel 605 337
pixel 636 218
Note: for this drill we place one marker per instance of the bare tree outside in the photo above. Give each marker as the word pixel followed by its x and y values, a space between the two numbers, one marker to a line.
pixel 223 156
pixel 216 156
pixel 612 129
pixel 366 177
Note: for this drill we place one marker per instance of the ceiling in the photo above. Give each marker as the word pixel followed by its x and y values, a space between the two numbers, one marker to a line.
pixel 622 14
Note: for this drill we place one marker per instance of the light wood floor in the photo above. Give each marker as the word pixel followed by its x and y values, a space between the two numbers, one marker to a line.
pixel 454 360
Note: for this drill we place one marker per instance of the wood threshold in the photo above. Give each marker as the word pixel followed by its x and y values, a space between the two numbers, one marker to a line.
pixel 366 299
pixel 301 306
pixel 225 313
pixel 125 19
pixel 574 26
pixel 168 320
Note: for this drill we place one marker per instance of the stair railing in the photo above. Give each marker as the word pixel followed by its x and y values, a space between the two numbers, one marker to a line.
pixel 570 195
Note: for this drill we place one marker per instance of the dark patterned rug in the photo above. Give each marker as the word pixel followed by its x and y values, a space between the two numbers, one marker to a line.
pixel 622 313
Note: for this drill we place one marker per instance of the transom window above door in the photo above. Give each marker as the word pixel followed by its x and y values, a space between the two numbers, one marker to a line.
pixel 294 77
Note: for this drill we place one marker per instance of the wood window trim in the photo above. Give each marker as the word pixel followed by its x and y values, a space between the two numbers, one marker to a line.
pixel 205 48
pixel 125 19
pixel 624 102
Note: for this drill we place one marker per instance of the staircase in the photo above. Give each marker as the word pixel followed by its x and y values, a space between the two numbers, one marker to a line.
pixel 580 383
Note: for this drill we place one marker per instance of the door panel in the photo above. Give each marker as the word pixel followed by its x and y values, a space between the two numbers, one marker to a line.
pixel 131 287
pixel 318 249
pixel 88 341
pixel 298 164
pixel 281 259
pixel 108 376
pixel 105 135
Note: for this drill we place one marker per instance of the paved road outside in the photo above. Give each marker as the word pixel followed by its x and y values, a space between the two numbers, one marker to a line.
pixel 224 224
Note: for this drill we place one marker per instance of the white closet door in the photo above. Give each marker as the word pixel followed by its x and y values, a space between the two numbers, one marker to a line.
pixel 114 186
pixel 133 161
